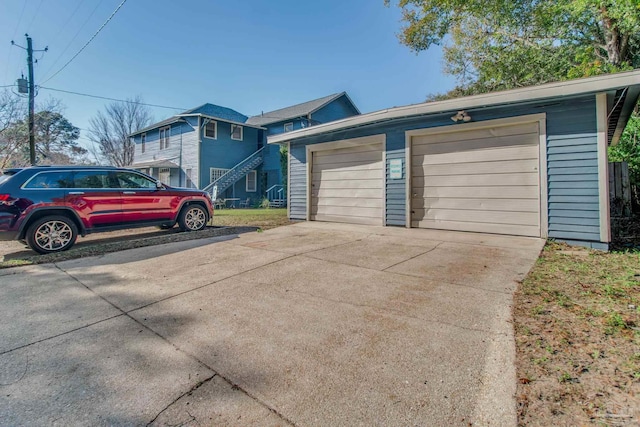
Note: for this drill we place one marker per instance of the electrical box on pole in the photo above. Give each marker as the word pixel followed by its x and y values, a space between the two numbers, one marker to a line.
pixel 22 85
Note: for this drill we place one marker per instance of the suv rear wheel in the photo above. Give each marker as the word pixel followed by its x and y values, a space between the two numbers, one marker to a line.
pixel 52 234
pixel 192 218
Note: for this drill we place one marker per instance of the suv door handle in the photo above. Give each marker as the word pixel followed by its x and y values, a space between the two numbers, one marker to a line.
pixel 76 192
pixel 128 192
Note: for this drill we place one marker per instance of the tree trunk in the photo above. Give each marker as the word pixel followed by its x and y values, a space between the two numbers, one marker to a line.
pixel 611 38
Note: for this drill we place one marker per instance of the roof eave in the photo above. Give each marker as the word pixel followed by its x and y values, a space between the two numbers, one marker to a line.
pixel 206 116
pixel 155 126
pixel 546 91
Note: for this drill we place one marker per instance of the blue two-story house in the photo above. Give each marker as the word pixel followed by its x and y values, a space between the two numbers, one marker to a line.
pixel 213 145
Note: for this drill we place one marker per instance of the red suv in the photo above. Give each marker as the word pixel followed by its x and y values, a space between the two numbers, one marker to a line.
pixel 48 206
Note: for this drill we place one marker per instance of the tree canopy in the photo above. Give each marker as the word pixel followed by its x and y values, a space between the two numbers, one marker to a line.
pixel 502 44
pixel 56 138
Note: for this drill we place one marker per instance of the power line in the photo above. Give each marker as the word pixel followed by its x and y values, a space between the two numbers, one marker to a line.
pixel 89 41
pixel 35 15
pixel 111 99
pixel 70 18
pixel 73 38
pixel 6 71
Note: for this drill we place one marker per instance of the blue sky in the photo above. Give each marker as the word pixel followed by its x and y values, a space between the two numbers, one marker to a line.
pixel 252 55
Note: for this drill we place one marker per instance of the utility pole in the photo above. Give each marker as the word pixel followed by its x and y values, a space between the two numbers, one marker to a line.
pixel 32 96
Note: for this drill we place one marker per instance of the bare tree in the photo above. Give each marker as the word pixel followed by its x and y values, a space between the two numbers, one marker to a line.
pixel 110 129
pixel 11 110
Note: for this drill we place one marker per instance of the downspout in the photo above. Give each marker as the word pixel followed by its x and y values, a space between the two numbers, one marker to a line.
pixel 180 173
pixel 199 153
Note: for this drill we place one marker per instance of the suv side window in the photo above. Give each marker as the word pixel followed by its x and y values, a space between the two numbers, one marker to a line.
pixel 61 179
pixel 93 179
pixel 133 180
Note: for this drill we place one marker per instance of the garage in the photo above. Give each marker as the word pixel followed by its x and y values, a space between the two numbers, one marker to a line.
pixel 484 179
pixel 347 182
pixel 529 162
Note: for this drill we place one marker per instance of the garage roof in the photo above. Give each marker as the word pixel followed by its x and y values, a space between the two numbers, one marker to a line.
pixel 624 88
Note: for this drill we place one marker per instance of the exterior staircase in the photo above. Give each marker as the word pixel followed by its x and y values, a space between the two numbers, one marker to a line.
pixel 237 172
pixel 276 196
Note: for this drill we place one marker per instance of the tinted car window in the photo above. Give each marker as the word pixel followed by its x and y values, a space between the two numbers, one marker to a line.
pixel 133 180
pixel 60 179
pixel 93 179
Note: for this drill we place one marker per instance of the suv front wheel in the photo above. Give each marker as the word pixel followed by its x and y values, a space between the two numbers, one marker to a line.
pixel 192 218
pixel 52 234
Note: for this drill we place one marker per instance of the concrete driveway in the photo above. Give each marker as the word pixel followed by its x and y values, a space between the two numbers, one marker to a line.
pixel 313 324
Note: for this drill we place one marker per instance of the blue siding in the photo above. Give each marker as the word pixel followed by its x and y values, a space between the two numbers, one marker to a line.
pixel 225 152
pixel 572 169
pixel 298 184
pixel 396 188
pixel 278 127
pixel 337 109
pixel 571 161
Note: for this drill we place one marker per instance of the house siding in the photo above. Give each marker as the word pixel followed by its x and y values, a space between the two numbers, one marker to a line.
pixel 278 127
pixel 338 109
pixel 181 135
pixel 224 152
pixel 190 149
pixel 572 173
pixel 396 188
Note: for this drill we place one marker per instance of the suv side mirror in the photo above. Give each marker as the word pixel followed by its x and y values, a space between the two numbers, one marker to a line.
pixel 159 185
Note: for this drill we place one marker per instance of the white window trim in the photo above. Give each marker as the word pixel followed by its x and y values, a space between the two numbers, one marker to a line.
pixel 143 142
pixel 215 126
pixel 603 167
pixel 241 132
pixel 221 170
pixel 288 124
pixel 255 182
pixel 164 142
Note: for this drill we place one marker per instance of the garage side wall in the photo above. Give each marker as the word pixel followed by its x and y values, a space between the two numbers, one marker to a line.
pixel 572 163
pixel 298 181
pixel 573 202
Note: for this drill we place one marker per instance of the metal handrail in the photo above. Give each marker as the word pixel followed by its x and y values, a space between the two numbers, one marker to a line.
pixel 234 169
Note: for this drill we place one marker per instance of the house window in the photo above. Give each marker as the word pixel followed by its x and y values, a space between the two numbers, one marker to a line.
pixel 288 127
pixel 165 132
pixel 143 142
pixel 236 132
pixel 189 178
pixel 211 129
pixel 251 182
pixel 216 173
pixel 164 175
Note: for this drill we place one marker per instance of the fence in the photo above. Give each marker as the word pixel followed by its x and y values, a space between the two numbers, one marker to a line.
pixel 620 190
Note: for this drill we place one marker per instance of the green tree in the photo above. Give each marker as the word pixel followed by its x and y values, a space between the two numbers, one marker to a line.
pixel 504 44
pixel 628 149
pixel 56 139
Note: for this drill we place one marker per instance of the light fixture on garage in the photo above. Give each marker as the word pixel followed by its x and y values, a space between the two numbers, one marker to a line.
pixel 461 116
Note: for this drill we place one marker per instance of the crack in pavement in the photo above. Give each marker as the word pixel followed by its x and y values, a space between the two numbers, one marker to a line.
pixel 191 390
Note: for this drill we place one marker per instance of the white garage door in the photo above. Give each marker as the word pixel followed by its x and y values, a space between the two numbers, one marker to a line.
pixel 483 180
pixel 346 185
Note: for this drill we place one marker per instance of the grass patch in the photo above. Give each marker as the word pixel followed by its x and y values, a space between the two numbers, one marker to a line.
pixel 263 218
pixel 583 305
